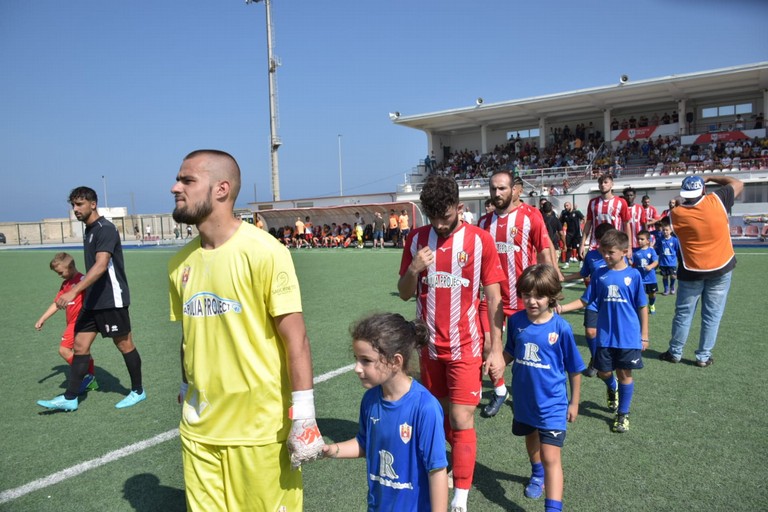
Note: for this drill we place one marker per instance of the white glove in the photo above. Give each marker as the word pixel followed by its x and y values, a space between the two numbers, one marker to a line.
pixel 305 443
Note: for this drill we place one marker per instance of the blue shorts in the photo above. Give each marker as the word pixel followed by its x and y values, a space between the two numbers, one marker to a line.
pixel 590 319
pixel 552 437
pixel 667 271
pixel 378 235
pixel 651 288
pixel 609 359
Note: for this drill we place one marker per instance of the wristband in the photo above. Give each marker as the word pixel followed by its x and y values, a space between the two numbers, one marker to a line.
pixel 303 407
pixel 644 341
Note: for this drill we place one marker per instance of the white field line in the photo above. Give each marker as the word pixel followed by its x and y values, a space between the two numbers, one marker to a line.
pixel 65 474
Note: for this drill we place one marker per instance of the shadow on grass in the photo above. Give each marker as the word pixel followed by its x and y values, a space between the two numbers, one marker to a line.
pixel 145 494
pixel 597 411
pixel 337 430
pixel 488 482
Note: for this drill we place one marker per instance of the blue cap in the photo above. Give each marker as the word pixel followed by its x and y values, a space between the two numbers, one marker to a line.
pixel 693 187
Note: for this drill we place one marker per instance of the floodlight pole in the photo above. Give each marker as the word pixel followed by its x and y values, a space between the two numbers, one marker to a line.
pixel 341 186
pixel 274 139
pixel 104 181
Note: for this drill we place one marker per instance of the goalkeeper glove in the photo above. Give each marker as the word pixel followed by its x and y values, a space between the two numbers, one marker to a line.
pixel 305 443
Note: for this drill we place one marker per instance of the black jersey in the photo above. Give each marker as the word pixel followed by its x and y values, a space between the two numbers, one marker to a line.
pixel 111 290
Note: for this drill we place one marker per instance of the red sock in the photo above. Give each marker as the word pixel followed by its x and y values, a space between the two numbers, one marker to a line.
pixel 69 359
pixel 499 382
pixel 91 368
pixel 464 456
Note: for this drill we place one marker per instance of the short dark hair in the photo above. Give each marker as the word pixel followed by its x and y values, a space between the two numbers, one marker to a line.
pixel 438 194
pixel 546 207
pixel 541 280
pixel 645 233
pixel 606 176
pixel 86 193
pixel 628 189
pixel 602 229
pixel 615 239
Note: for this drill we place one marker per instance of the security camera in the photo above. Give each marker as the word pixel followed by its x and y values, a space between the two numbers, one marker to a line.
pixel 394 115
pixel 623 79
pixel 479 101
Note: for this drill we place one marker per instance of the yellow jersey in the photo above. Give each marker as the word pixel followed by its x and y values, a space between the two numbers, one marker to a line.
pixel 234 359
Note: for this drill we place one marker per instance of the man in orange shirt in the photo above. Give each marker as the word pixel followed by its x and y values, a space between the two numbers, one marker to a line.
pixel 404 226
pixel 392 233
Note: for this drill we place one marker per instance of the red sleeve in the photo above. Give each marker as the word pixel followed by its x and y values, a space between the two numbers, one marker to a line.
pixel 539 235
pixel 490 270
pixel 407 257
pixel 625 216
pixel 589 210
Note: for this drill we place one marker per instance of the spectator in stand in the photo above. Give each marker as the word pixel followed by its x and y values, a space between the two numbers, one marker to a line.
pixel 651 213
pixel 759 121
pixel 571 218
pixel 637 218
pixel 665 119
pixel 428 165
pixel 615 124
pixel 675 116
pixel 739 123
pixel 605 208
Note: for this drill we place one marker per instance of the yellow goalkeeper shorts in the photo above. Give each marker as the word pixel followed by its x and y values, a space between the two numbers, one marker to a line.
pixel 234 478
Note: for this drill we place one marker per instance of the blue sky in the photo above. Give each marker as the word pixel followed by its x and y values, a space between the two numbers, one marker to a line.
pixel 125 89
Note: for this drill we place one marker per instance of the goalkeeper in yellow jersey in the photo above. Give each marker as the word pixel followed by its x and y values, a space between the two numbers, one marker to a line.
pixel 248 413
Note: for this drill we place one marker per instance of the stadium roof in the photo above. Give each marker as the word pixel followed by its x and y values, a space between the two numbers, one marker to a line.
pixel 629 97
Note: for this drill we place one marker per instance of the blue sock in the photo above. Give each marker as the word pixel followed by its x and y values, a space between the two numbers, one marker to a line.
pixel 592 344
pixel 652 300
pixel 537 469
pixel 552 505
pixel 666 283
pixel 611 382
pixel 672 283
pixel 625 397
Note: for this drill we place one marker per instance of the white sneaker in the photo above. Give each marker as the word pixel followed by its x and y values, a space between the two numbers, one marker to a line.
pixel 566 265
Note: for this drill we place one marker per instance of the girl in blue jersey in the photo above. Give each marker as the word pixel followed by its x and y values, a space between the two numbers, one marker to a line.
pixel 401 431
pixel 542 350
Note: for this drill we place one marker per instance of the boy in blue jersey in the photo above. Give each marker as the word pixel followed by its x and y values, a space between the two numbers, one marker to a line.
pixel 593 261
pixel 622 324
pixel 401 431
pixel 646 260
pixel 541 346
pixel 669 246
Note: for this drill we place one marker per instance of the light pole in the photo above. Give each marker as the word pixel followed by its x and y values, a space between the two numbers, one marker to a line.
pixel 104 181
pixel 341 186
pixel 274 139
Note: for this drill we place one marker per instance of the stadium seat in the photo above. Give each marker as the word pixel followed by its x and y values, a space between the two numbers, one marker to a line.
pixel 751 231
pixel 736 231
pixel 735 169
pixel 715 170
pixel 656 173
pixel 689 171
pixel 764 233
pixel 707 171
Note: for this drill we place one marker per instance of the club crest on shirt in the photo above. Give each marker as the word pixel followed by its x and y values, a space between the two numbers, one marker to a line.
pixel 627 280
pixel 512 231
pixel 185 276
pixel 462 258
pixel 552 338
pixel 406 432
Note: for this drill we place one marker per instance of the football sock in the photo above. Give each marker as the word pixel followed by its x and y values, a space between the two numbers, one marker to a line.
pixel 672 283
pixel 91 368
pixel 460 498
pixel 133 363
pixel 537 469
pixel 666 283
pixel 464 455
pixel 76 374
pixel 625 397
pixel 552 505
pixel 500 388
pixel 611 382
pixel 69 359
pixel 592 344
pixel 652 300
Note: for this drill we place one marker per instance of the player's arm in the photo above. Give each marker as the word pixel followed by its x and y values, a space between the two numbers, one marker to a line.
pixel 494 363
pixel 571 306
pixel 574 379
pixel 408 282
pixel 438 489
pixel 304 441
pixel 349 449
pixel 653 265
pixel 584 247
pixel 738 185
pixel 94 273
pixel 642 313
pixel 52 309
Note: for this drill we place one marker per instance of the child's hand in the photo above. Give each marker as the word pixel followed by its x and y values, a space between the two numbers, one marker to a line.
pixel 646 344
pixel 330 451
pixel 39 325
pixel 573 412
pixel 559 308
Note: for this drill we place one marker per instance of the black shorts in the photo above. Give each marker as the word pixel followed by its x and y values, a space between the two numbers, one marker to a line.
pixel 572 241
pixel 651 288
pixel 552 437
pixel 668 271
pixel 609 359
pixel 111 323
pixel 590 318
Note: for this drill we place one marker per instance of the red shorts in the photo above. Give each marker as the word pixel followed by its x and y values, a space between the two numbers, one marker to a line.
pixel 68 337
pixel 460 381
pixel 482 312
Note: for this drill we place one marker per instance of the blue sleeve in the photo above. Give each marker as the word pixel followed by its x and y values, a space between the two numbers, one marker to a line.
pixel 509 347
pixel 590 294
pixel 572 360
pixel 362 432
pixel 432 435
pixel 641 299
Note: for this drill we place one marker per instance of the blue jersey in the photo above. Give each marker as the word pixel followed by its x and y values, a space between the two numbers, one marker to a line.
pixel 617 294
pixel 403 442
pixel 593 260
pixel 668 249
pixel 641 258
pixel 542 353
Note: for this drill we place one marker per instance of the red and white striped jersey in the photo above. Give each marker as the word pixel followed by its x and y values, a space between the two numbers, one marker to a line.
pixel 613 211
pixel 447 291
pixel 637 220
pixel 650 213
pixel 519 236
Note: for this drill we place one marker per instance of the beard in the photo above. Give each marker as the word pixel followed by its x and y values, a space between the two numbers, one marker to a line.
pixel 194 214
pixel 502 204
